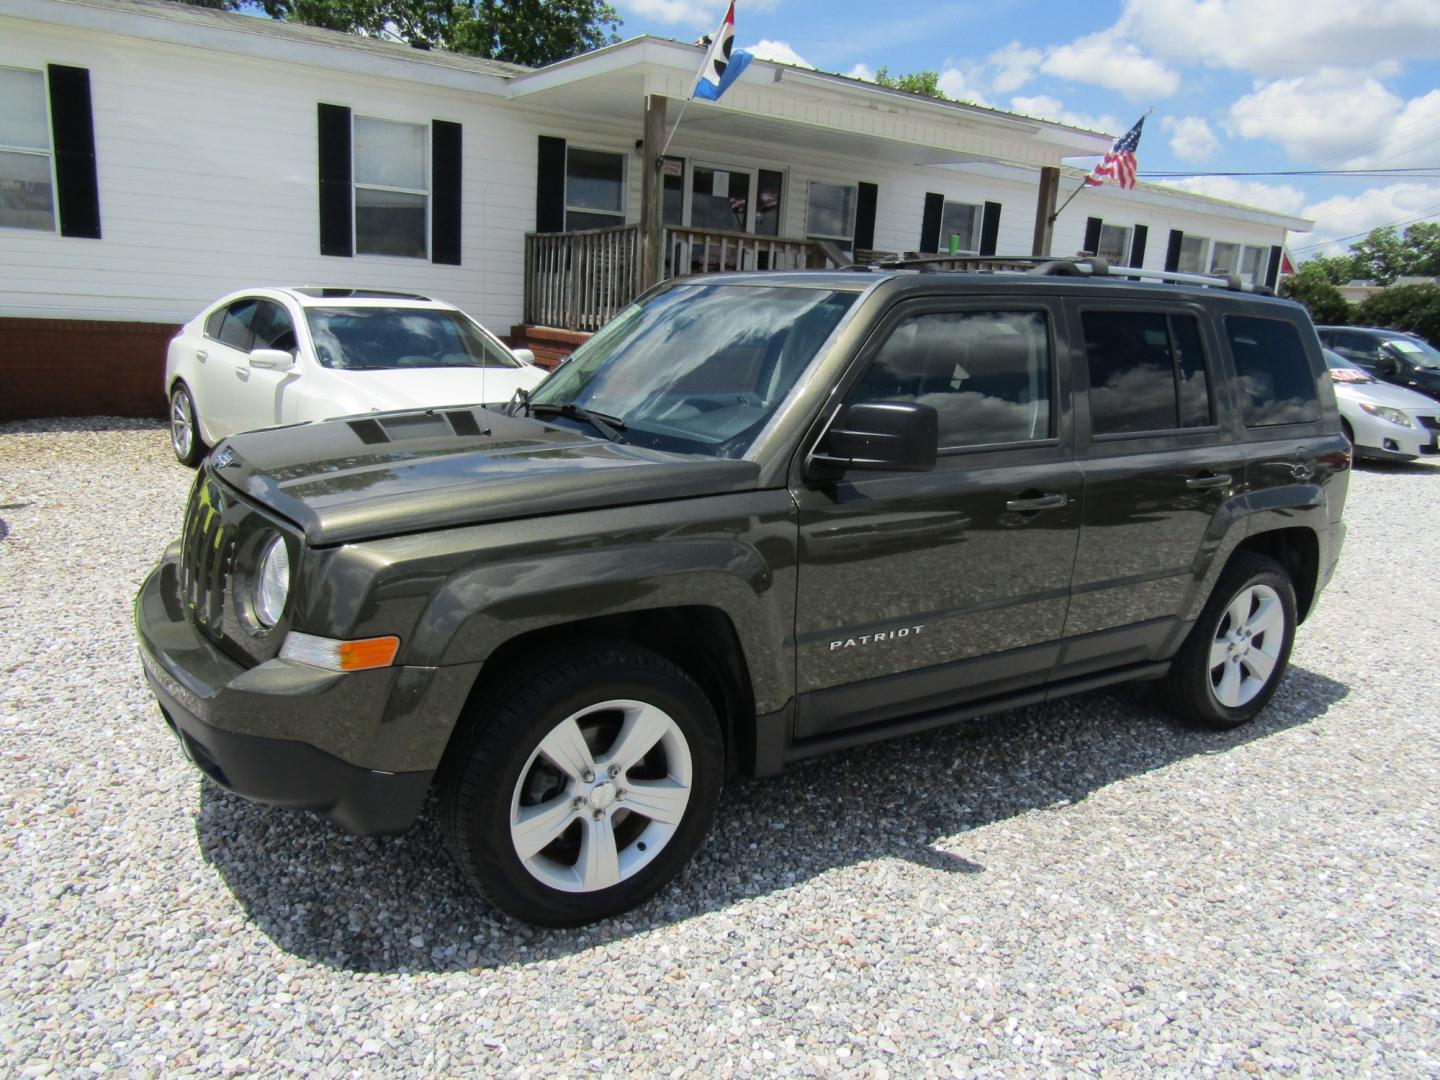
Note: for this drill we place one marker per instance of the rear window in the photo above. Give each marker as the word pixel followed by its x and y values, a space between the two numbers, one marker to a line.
pixel 1275 381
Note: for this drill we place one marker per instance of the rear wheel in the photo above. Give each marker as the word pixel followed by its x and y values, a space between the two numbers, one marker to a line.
pixel 586 789
pixel 185 438
pixel 1239 648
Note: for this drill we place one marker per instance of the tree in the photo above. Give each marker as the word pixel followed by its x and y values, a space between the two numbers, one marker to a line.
pixel 1415 308
pixel 531 32
pixel 1312 286
pixel 924 83
pixel 1385 254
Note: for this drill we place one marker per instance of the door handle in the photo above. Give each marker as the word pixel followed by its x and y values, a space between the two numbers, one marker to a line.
pixel 1036 502
pixel 201 355
pixel 1210 481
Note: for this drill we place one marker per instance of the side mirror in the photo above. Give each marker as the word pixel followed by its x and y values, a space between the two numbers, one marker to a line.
pixel 891 436
pixel 272 359
pixel 525 356
pixel 1387 363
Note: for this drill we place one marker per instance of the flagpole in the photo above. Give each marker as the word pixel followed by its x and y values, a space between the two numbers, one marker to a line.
pixel 1085 181
pixel 674 129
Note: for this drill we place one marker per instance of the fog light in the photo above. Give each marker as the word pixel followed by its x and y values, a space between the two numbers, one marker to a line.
pixel 333 655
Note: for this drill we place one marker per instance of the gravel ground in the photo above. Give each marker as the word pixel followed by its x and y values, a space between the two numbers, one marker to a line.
pixel 1082 887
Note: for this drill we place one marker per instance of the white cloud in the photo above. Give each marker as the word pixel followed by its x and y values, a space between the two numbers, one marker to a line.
pixel 1044 107
pixel 1343 219
pixel 1281 198
pixel 1014 66
pixel 1337 117
pixel 779 51
pixel 963 85
pixel 1191 137
pixel 1106 59
pixel 699 14
pixel 1284 36
pixel 862 71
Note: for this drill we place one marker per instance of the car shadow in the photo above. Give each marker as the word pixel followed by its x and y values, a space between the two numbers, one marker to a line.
pixel 1418 467
pixel 399 904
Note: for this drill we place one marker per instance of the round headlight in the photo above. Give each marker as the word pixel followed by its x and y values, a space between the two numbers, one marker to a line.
pixel 272 583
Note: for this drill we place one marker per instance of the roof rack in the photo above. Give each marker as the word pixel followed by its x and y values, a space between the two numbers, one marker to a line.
pixel 1049 266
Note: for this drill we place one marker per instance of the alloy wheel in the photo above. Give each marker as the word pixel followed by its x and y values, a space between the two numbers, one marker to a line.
pixel 182 427
pixel 1247 646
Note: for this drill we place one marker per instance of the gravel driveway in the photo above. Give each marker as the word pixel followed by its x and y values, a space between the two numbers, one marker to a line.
pixel 1080 887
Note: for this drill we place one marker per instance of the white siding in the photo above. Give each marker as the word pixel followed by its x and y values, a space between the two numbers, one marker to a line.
pixel 207 168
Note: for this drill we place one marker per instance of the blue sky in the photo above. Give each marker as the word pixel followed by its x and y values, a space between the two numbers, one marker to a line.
pixel 1263 85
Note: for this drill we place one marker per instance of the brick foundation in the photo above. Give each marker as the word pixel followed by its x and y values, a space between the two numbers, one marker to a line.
pixel 75 367
pixel 549 344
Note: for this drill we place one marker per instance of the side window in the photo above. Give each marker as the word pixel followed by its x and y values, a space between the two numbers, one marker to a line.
pixel 273 328
pixel 235 331
pixel 986 373
pixel 1147 372
pixel 1276 383
pixel 213 323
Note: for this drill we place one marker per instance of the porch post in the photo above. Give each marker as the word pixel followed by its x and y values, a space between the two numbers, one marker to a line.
pixel 651 193
pixel 1045 210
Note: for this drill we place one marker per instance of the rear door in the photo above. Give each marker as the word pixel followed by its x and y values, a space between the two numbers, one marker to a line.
pixel 227 355
pixel 255 393
pixel 922 591
pixel 1157 447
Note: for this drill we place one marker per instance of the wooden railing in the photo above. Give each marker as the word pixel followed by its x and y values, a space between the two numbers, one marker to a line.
pixel 711 251
pixel 579 280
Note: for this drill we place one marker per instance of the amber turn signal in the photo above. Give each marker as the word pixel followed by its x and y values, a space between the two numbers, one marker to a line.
pixel 335 655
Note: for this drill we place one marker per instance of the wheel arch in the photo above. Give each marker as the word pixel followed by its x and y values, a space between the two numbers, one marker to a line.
pixel 700 640
pixel 1297 549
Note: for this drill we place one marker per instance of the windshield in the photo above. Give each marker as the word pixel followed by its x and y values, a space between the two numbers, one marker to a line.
pixel 698 369
pixel 374 338
pixel 1417 352
pixel 1342 370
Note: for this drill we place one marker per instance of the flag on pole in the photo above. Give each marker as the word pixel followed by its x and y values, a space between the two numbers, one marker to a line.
pixel 1119 164
pixel 723 63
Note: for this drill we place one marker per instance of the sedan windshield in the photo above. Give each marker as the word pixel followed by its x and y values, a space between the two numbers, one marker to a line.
pixel 698 369
pixel 1342 370
pixel 1417 352
pixel 373 338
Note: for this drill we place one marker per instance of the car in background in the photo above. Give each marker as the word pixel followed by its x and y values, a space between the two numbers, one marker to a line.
pixel 1382 422
pixel 262 357
pixel 1391 355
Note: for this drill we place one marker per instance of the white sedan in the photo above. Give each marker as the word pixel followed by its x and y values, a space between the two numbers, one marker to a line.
pixel 269 356
pixel 1383 422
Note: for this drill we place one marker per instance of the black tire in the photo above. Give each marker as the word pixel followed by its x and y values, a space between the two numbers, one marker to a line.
pixel 480 784
pixel 1349 433
pixel 1190 690
pixel 185 440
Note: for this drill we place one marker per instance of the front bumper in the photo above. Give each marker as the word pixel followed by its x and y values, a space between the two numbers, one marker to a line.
pixel 1381 440
pixel 358 748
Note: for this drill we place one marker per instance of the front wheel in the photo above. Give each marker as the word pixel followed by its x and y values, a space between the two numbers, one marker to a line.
pixel 586 789
pixel 185 438
pixel 1239 648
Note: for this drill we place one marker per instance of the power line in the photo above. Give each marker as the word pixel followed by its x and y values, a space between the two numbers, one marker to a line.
pixel 1422 216
pixel 1418 170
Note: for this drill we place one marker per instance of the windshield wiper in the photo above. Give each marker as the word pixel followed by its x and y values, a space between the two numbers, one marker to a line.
pixel 609 426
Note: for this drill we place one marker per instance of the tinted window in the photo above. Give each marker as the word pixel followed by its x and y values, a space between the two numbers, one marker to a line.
pixel 1147 372
pixel 235 331
pixel 1275 380
pixel 273 328
pixel 213 323
pixel 987 374
pixel 371 338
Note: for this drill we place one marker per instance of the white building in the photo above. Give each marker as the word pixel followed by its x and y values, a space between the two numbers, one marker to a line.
pixel 154 156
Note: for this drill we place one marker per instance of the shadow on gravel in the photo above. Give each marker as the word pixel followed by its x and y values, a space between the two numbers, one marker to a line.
pixel 398 903
pixel 1420 467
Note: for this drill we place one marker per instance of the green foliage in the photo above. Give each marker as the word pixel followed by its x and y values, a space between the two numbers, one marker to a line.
pixel 1415 308
pixel 924 83
pixel 532 32
pixel 1312 287
pixel 1385 254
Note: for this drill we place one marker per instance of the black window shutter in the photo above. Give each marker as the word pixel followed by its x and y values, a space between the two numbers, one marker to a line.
pixel 1172 253
pixel 77 188
pixel 1092 235
pixel 990 228
pixel 865 201
pixel 1272 273
pixel 930 226
pixel 550 186
pixel 337 233
pixel 445 191
pixel 1137 245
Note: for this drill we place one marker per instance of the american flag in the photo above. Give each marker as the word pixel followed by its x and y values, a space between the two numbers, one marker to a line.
pixel 1119 164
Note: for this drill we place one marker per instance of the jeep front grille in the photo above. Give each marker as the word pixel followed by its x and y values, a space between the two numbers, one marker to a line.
pixel 208 555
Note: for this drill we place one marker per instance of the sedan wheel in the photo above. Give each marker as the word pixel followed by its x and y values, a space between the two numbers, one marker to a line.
pixel 185 438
